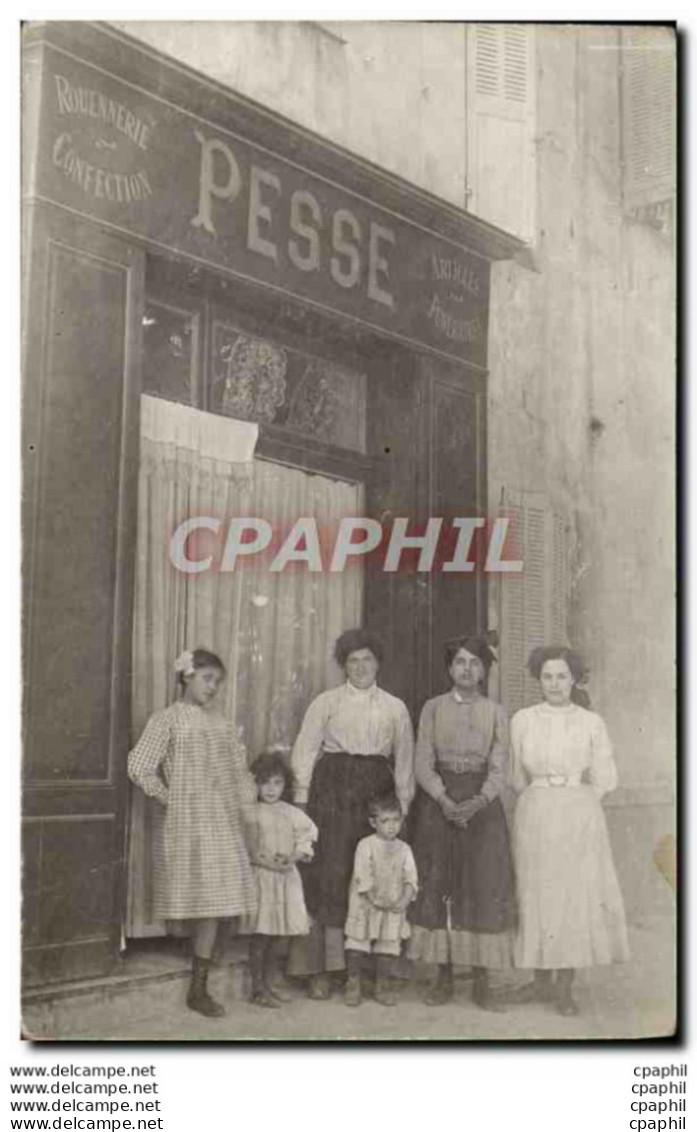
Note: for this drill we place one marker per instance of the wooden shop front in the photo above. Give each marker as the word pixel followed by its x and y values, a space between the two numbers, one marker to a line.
pixel 173 229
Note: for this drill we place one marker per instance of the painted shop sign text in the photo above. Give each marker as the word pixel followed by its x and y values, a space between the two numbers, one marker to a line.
pixel 314 242
pixel 119 155
pixel 99 179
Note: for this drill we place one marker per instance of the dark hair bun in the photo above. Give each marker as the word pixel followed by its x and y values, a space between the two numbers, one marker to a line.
pixel 353 640
pixel 539 657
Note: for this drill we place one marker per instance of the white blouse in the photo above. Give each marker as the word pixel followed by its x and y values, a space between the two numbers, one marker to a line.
pixel 561 746
pixel 362 722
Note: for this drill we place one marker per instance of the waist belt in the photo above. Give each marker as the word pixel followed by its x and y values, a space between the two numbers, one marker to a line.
pixel 356 754
pixel 559 780
pixel 463 764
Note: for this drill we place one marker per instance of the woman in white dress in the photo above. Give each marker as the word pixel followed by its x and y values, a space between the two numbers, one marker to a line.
pixel 571 913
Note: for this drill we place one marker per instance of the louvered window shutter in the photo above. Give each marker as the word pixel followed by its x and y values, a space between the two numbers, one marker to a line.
pixel 501 162
pixel 533 606
pixel 648 116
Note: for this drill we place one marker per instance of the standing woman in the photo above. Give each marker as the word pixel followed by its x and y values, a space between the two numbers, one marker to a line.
pixel 465 910
pixel 571 910
pixel 350 740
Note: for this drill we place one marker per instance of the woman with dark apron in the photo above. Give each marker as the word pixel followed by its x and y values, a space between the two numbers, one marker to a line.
pixel 356 741
pixel 464 912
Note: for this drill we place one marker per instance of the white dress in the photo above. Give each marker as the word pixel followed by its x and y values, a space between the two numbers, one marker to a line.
pixel 277 830
pixel 571 912
pixel 381 868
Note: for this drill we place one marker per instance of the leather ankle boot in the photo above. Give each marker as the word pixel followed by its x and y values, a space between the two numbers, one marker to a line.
pixel 198 998
pixel 274 980
pixel 540 989
pixel 352 992
pixel 384 984
pixel 319 987
pixel 440 989
pixel 261 995
pixel 565 1002
pixel 482 994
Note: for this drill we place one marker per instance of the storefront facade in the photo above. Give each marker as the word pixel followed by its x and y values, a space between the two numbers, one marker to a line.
pixel 162 209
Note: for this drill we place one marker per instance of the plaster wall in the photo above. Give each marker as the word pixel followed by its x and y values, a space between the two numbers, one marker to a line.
pixel 582 402
pixel 582 361
pixel 377 89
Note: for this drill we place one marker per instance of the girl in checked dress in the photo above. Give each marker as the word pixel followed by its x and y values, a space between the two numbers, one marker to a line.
pixel 188 758
pixel 279 835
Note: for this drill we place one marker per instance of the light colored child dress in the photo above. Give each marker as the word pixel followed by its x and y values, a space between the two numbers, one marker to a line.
pixel 382 868
pixel 279 829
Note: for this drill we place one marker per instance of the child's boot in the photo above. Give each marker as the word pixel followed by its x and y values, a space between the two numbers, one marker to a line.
pixel 319 988
pixel 261 995
pixel 274 980
pixel 384 987
pixel 352 994
pixel 198 998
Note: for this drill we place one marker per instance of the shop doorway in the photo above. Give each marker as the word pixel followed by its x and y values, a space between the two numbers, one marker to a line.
pixel 274 630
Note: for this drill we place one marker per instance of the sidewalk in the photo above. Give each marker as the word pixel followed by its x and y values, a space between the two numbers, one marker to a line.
pixel 636 1000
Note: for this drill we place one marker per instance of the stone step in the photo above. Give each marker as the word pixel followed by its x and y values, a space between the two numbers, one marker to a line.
pixel 160 978
pixel 154 977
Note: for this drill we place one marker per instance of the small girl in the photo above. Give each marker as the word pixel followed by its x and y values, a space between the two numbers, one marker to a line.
pixel 189 759
pixel 383 885
pixel 279 835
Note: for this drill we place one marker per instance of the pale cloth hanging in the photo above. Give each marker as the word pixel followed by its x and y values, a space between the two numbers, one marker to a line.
pixel 274 631
pixel 206 434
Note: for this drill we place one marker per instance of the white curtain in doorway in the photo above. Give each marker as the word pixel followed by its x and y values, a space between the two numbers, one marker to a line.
pixel 274 631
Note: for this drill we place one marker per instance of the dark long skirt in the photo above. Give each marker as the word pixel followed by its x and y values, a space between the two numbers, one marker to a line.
pixel 340 789
pixel 468 870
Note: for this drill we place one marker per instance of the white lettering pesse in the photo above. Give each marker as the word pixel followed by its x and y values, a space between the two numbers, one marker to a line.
pixel 209 188
pixel 305 259
pixel 377 264
pixel 260 212
pixel 346 275
pixel 220 179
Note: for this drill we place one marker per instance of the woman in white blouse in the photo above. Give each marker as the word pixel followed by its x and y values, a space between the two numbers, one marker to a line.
pixel 356 741
pixel 570 905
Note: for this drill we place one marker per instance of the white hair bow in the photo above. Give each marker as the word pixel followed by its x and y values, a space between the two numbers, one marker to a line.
pixel 184 663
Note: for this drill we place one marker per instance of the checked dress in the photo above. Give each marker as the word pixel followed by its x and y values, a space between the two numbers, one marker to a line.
pixel 188 757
